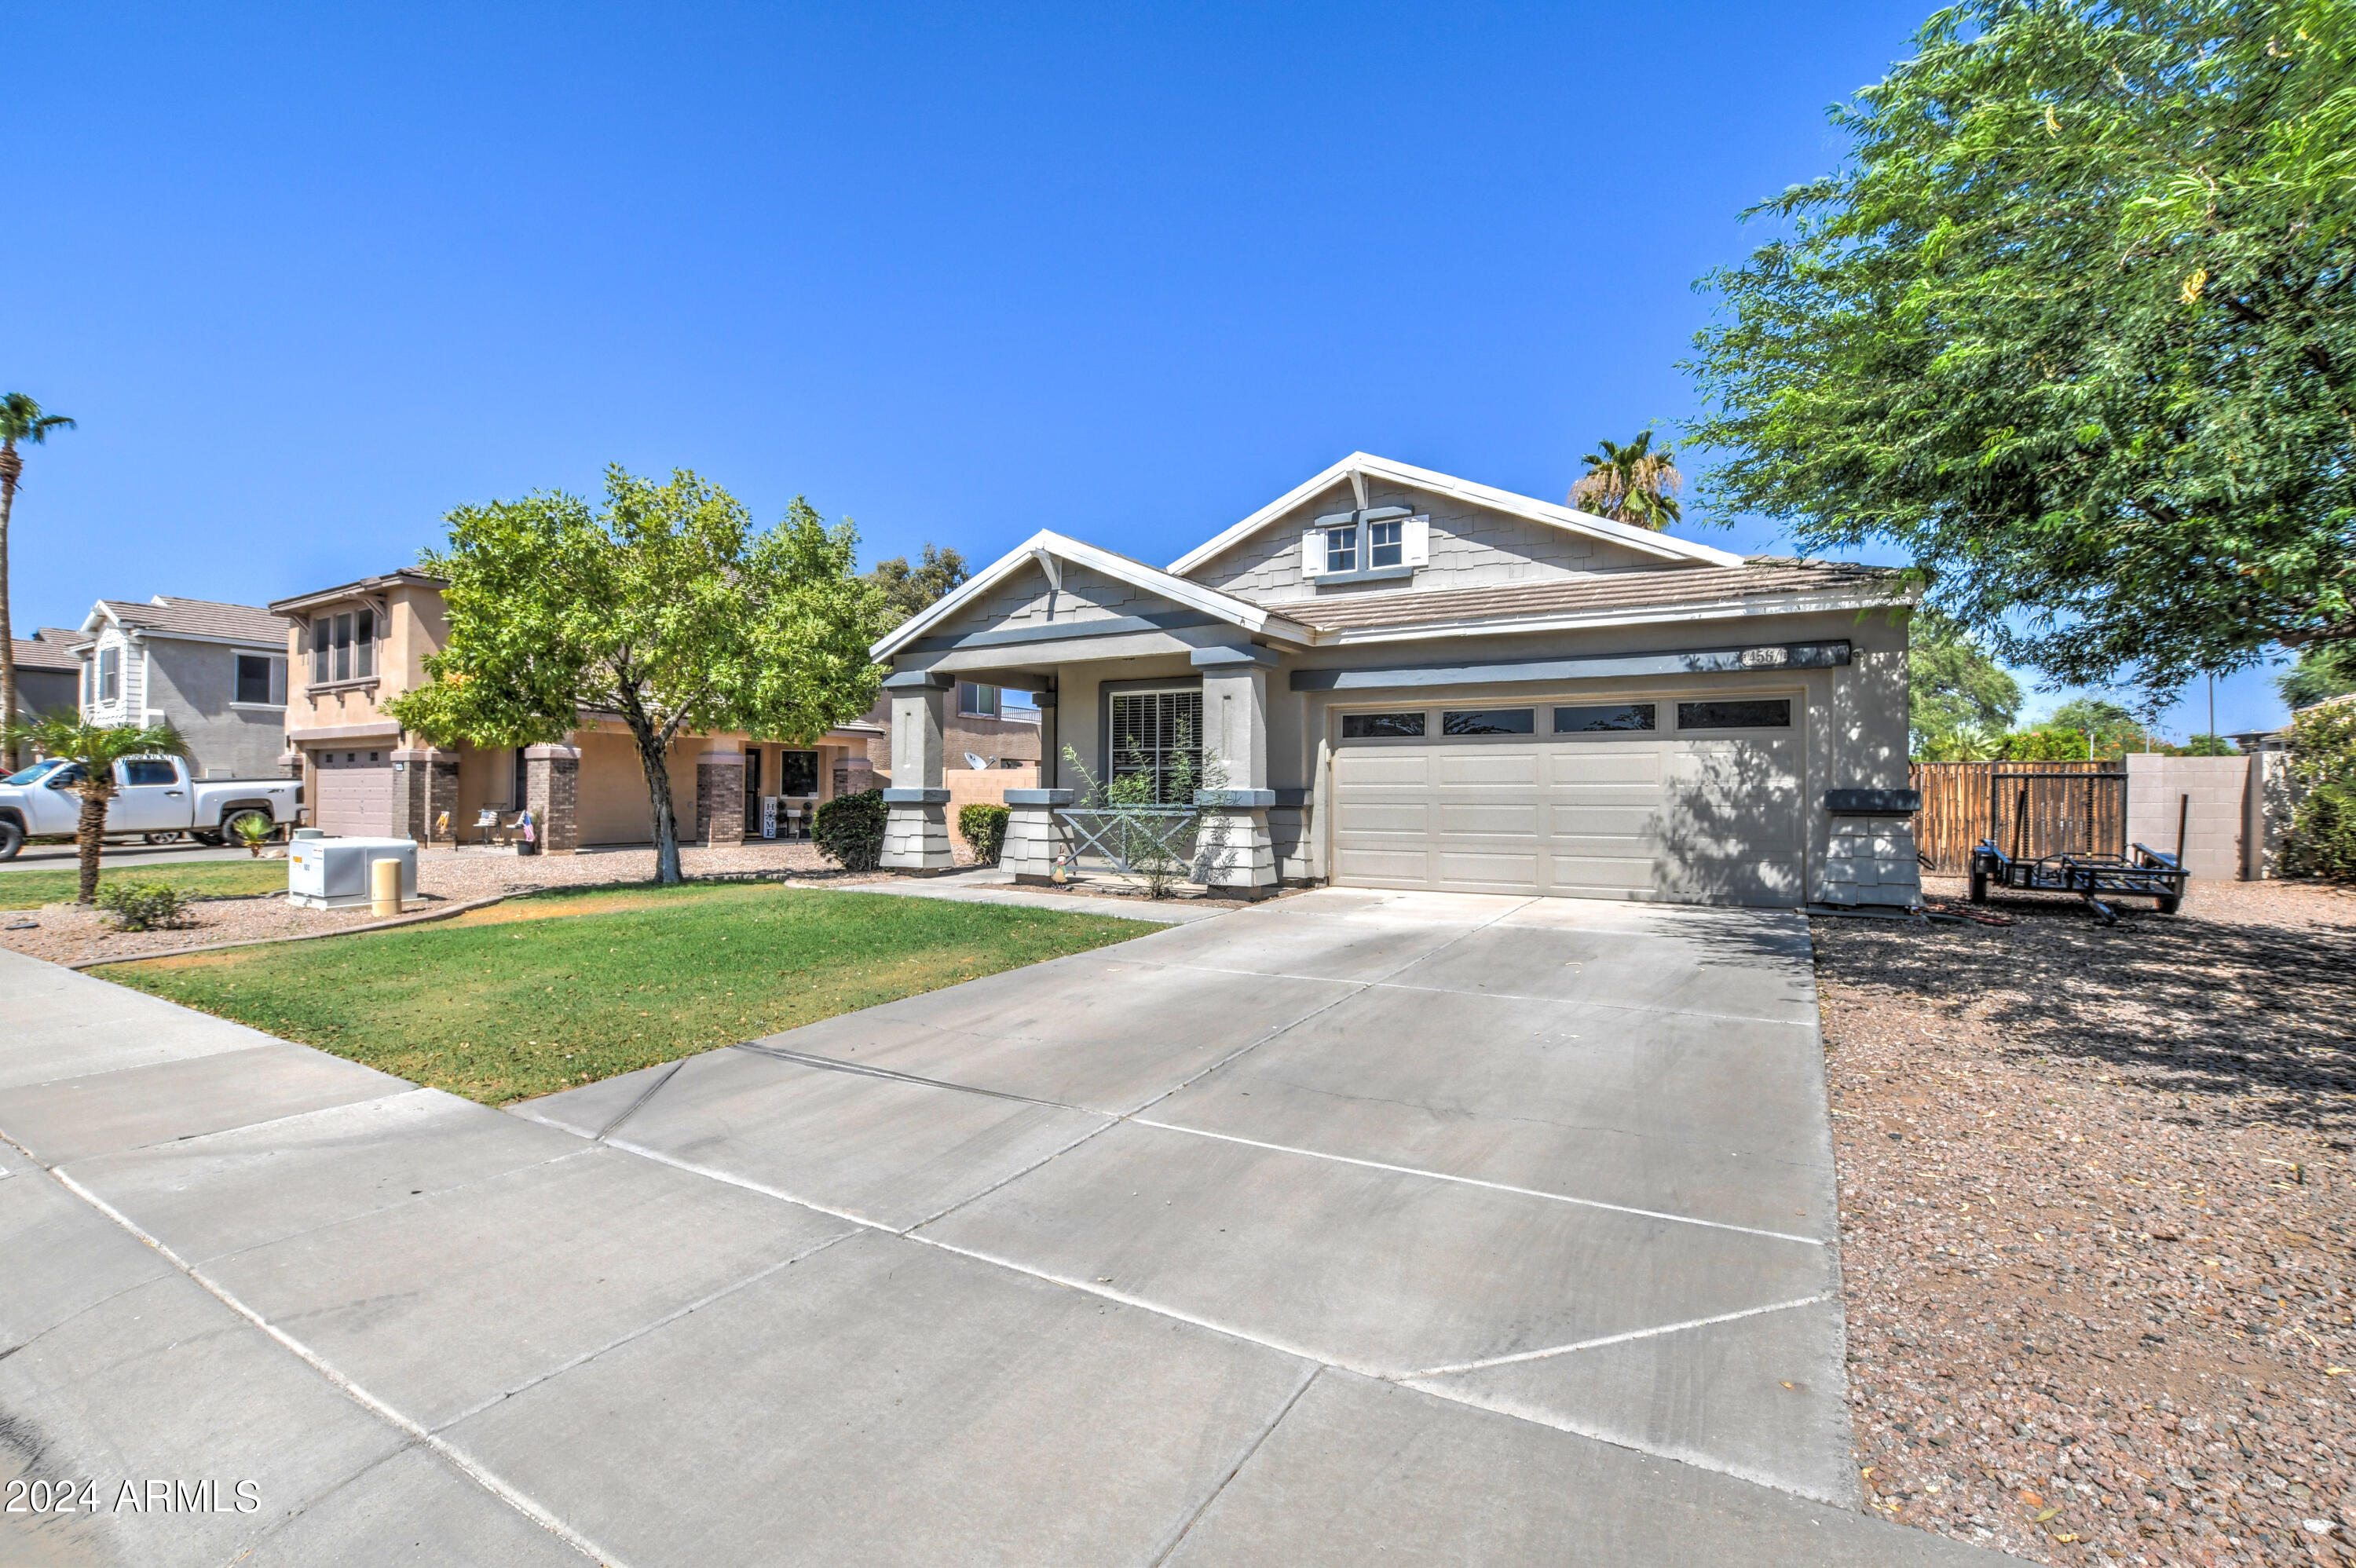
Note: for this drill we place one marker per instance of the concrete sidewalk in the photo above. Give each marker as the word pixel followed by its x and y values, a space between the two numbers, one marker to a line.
pixel 1022 1271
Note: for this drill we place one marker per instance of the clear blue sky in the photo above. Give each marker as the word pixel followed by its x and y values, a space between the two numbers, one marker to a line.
pixel 311 276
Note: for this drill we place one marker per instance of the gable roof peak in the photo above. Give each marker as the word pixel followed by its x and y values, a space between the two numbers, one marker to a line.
pixel 1047 543
pixel 1361 466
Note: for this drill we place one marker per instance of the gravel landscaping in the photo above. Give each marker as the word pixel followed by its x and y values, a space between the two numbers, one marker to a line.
pixel 2096 1203
pixel 68 933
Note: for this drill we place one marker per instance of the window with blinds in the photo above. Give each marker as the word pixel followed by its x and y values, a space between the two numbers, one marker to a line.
pixel 1151 730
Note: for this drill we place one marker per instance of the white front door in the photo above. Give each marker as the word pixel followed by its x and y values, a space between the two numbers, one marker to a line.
pixel 1689 799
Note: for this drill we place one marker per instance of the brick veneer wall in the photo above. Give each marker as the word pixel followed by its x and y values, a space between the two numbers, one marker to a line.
pixel 551 789
pixel 720 799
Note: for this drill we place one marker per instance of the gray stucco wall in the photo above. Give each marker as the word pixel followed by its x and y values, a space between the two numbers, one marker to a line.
pixel 41 691
pixel 192 685
pixel 1471 546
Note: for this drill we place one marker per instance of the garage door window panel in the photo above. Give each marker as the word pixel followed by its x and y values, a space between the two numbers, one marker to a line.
pixel 1488 721
pixel 1736 713
pixel 1605 718
pixel 1382 726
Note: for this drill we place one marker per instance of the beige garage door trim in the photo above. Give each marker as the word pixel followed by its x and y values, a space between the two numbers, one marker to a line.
pixel 1708 816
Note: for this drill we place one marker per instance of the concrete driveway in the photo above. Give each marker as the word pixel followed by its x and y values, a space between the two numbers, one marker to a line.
pixel 1436 1228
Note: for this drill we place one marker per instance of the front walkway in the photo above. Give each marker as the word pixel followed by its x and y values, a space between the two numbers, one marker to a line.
pixel 1358 1226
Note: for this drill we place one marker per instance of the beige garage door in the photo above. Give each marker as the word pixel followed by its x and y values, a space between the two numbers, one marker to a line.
pixel 354 798
pixel 1575 798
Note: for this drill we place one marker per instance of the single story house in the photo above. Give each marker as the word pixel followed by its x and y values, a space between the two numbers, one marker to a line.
pixel 216 673
pixel 1411 681
pixel 49 672
pixel 357 646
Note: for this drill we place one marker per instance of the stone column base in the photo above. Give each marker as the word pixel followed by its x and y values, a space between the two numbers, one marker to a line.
pixel 1871 862
pixel 916 830
pixel 1035 839
pixel 1233 851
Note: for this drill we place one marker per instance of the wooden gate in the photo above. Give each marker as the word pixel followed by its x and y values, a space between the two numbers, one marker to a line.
pixel 2044 809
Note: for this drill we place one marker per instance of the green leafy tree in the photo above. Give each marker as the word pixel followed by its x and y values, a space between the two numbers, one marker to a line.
pixel 666 609
pixel 93 750
pixel 1959 701
pixel 909 590
pixel 2206 745
pixel 21 420
pixel 2322 672
pixel 2110 730
pixel 2045 745
pixel 1631 483
pixel 2074 325
pixel 2322 838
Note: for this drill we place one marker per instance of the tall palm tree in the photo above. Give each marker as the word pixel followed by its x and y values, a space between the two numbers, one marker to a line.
pixel 1631 483
pixel 95 749
pixel 21 419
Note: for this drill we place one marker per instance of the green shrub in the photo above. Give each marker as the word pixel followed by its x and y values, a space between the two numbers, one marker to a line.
pixel 144 906
pixel 983 826
pixel 849 830
pixel 2322 838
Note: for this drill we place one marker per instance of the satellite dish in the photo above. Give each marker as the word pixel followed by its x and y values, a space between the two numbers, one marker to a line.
pixel 980 764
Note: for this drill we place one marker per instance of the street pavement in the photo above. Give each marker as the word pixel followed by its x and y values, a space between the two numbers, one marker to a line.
pixel 1358 1226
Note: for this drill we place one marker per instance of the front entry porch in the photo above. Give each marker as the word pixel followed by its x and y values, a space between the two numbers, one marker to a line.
pixel 1105 718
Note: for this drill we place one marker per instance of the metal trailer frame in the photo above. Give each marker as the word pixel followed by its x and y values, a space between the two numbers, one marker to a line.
pixel 2144 872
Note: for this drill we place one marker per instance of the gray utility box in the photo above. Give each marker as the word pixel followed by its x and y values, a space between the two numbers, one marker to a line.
pixel 333 873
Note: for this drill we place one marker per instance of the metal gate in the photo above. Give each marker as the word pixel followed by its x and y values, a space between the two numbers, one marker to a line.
pixel 2033 812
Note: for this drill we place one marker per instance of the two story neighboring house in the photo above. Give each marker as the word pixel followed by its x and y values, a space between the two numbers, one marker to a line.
pixel 216 673
pixel 982 729
pixel 49 672
pixel 1412 680
pixel 355 646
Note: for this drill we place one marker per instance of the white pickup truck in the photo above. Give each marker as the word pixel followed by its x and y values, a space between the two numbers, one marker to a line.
pixel 152 794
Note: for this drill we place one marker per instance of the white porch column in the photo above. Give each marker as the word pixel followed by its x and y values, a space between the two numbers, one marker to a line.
pixel 1035 839
pixel 1232 849
pixel 915 825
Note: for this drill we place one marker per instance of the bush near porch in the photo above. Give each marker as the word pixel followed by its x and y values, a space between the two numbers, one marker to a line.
pixel 561 988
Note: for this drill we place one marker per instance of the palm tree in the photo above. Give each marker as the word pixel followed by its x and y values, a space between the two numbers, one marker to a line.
pixel 21 419
pixel 94 749
pixel 1631 483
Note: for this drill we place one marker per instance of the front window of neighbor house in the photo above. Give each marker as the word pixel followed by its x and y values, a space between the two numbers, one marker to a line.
pixel 343 646
pixel 109 675
pixel 1386 543
pixel 1342 549
pixel 261 680
pixel 1159 733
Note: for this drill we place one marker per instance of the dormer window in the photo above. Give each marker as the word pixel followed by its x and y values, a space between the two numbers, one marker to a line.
pixel 1384 544
pixel 1342 549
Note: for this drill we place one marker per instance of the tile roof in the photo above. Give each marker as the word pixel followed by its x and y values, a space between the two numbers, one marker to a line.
pixel 1601 591
pixel 51 647
pixel 200 618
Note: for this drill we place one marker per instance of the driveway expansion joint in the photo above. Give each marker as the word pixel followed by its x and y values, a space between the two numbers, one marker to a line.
pixel 415 1432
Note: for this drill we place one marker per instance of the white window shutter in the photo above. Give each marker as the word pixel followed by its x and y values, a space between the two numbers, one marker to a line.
pixel 1415 541
pixel 1312 552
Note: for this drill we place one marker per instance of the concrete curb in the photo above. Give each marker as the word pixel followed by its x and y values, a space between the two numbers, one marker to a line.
pixel 419 918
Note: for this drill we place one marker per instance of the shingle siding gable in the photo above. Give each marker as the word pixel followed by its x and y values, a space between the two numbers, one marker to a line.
pixel 1471 546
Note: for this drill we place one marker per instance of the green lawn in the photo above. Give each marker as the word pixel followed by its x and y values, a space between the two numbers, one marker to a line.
pixel 559 988
pixel 206 878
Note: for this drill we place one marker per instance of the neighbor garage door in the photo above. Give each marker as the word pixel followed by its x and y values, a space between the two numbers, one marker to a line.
pixel 354 794
pixel 1695 799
